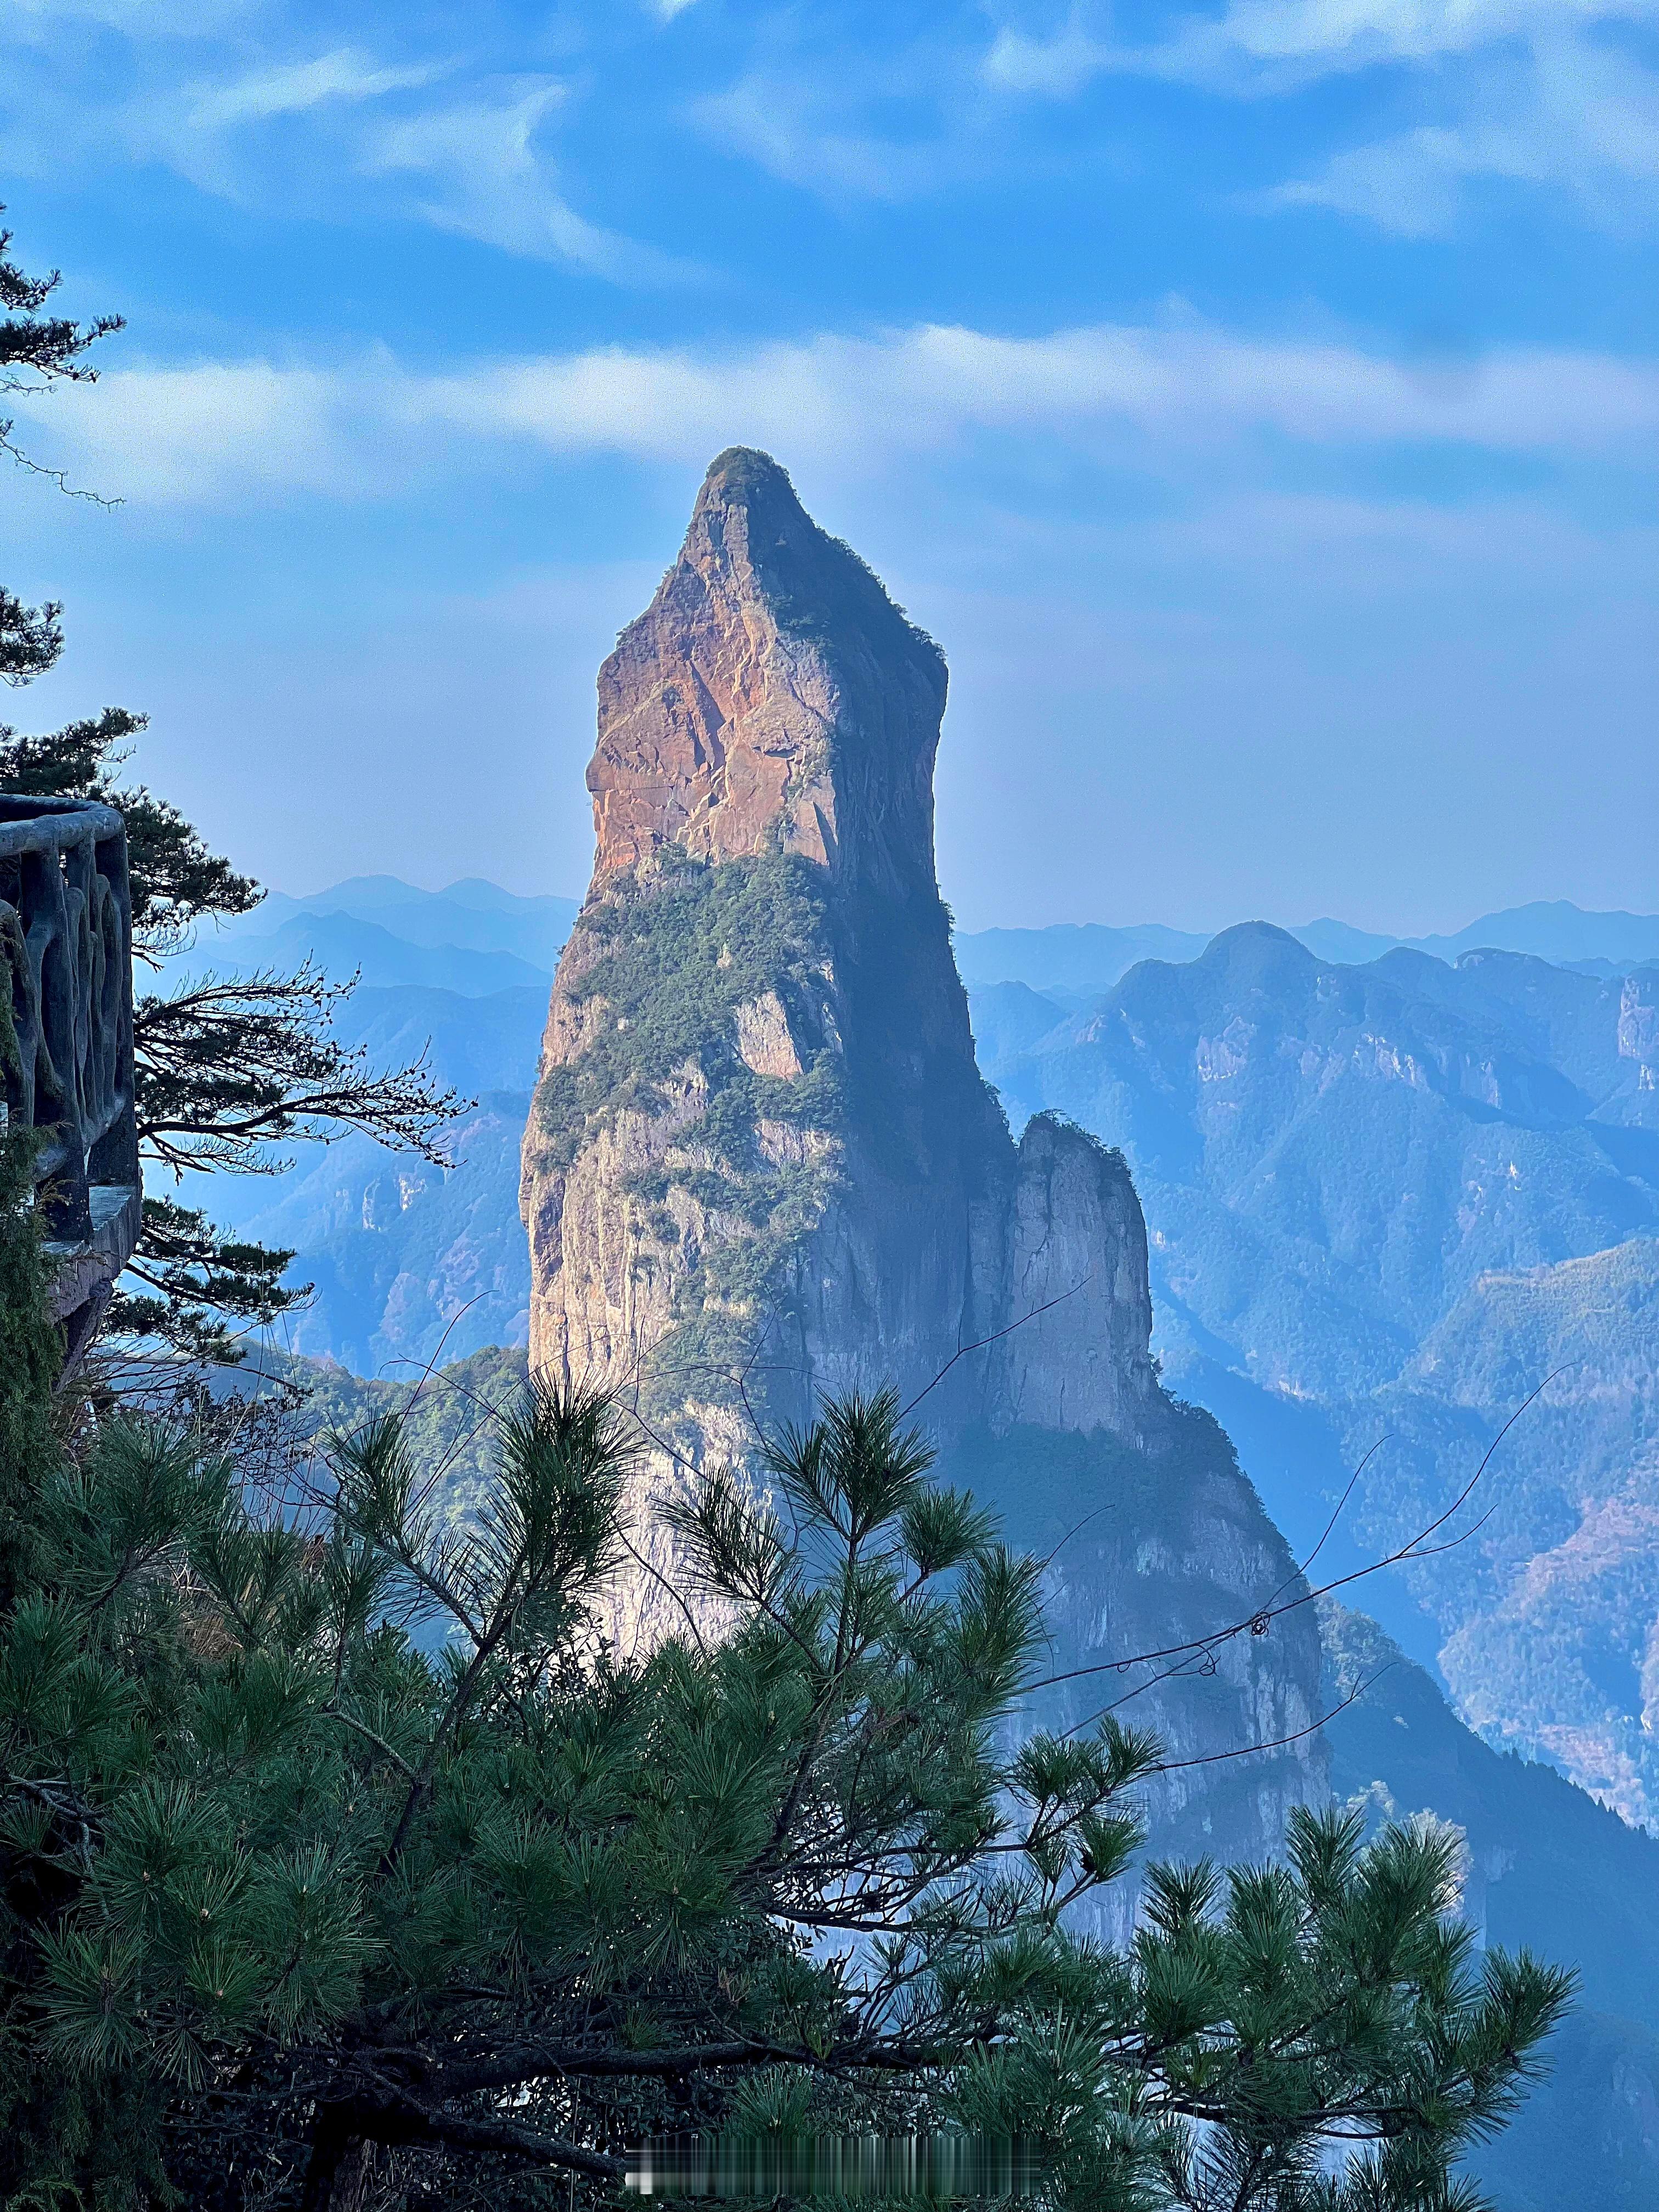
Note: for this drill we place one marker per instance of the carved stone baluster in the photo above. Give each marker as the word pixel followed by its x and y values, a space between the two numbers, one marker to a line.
pixel 66 1054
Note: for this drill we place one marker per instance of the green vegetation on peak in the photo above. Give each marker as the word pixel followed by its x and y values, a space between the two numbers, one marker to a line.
pixel 666 965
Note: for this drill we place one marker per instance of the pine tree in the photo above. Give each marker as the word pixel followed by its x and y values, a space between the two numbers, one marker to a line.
pixel 228 1069
pixel 36 352
pixel 342 1863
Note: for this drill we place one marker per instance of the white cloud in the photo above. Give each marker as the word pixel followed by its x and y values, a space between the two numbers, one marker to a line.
pixel 1572 115
pixel 1557 93
pixel 223 133
pixel 934 386
pixel 869 119
pixel 489 179
pixel 1411 184
pixel 345 77
pixel 1179 401
pixel 1271 46
pixel 333 135
pixel 1056 67
pixel 809 129
pixel 1321 37
pixel 210 434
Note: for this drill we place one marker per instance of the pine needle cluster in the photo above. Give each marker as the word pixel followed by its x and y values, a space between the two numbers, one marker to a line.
pixel 342 1863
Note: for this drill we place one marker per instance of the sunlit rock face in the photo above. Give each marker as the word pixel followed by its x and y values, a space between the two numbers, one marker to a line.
pixel 771 698
pixel 763 1166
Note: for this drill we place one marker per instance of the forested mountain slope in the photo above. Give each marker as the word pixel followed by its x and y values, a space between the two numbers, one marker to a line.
pixel 1374 1196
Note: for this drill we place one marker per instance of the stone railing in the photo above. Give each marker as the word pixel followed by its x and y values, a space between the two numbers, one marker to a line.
pixel 66 943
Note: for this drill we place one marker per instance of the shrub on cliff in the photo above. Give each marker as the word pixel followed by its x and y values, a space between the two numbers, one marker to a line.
pixel 296 1914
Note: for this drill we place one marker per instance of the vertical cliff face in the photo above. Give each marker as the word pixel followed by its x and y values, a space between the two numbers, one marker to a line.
pixel 771 698
pixel 759 1110
pixel 761 1164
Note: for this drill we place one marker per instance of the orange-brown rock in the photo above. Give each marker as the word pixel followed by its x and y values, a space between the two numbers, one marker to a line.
pixel 771 694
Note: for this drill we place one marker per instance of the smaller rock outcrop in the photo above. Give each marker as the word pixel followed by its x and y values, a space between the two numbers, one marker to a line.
pixel 1076 1284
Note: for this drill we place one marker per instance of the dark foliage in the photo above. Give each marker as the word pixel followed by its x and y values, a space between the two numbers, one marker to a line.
pixel 292 1914
pixel 36 351
pixel 30 638
pixel 227 1068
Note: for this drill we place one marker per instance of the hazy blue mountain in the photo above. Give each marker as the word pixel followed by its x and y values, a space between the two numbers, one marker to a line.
pixel 1339 940
pixel 1547 1867
pixel 1331 1155
pixel 404 1255
pixel 1549 1620
pixel 1555 929
pixel 487 1044
pixel 1010 1019
pixel 483 897
pixel 1084 957
pixel 1375 1195
pixel 1550 929
pixel 471 915
pixel 410 1261
pixel 343 945
pixel 1090 959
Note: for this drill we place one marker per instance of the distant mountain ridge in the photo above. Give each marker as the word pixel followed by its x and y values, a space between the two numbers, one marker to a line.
pixel 381 925
pixel 467 971
pixel 472 939
pixel 1389 1201
pixel 470 912
pixel 1088 957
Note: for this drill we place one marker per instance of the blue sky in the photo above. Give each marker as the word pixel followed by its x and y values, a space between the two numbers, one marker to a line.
pixel 1257 400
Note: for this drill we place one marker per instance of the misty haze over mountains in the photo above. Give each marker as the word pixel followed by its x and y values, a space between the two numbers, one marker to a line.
pixel 1351 1173
pixel 474 938
pixel 1354 1175
pixel 1089 956
pixel 405 1256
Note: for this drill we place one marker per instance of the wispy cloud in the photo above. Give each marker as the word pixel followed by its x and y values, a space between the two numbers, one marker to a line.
pixel 234 432
pixel 1574 116
pixel 1281 39
pixel 343 133
pixel 1256 46
pixel 487 177
pixel 1540 92
pixel 877 120
pixel 1054 64
pixel 814 134
pixel 345 77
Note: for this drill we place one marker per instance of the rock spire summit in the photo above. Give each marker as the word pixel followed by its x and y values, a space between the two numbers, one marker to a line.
pixel 762 1165
pixel 771 696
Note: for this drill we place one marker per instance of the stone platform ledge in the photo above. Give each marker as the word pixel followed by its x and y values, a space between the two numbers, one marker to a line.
pixel 92 1263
